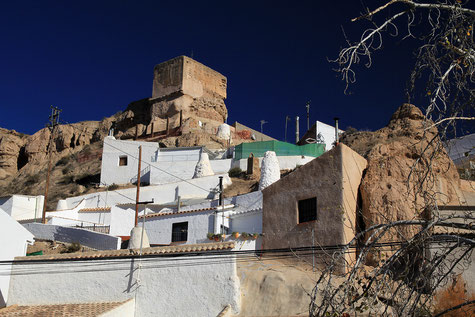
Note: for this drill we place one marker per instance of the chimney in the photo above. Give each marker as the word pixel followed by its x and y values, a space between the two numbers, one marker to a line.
pixel 337 140
pixel 297 139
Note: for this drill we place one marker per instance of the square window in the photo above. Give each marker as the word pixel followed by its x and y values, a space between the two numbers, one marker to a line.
pixel 307 209
pixel 123 160
pixel 180 232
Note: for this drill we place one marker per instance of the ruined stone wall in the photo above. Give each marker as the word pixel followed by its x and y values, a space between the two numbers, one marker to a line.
pixel 183 84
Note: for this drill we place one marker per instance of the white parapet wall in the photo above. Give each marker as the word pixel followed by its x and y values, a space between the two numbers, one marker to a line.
pixel 95 240
pixel 161 194
pixel 162 285
pixel 285 162
pixel 21 207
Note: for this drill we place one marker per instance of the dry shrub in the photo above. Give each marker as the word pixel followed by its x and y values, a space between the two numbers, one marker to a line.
pixel 454 295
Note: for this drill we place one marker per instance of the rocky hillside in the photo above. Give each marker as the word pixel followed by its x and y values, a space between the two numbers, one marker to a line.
pixel 408 169
pixel 76 153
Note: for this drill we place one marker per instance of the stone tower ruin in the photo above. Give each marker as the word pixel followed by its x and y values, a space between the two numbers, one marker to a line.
pixel 183 84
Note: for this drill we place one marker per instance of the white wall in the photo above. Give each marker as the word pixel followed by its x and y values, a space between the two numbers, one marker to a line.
pixel 285 162
pixel 245 216
pixel 159 229
pixel 21 207
pixel 99 217
pixel 122 221
pixel 112 173
pixel 250 222
pixel 14 239
pixel 96 240
pixel 163 286
pixel 159 166
pixel 327 134
pixel 162 194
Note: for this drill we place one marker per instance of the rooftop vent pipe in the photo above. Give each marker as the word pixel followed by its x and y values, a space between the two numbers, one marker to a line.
pixel 337 139
pixel 297 139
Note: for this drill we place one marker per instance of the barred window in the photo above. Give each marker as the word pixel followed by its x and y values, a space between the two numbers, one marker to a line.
pixel 307 209
pixel 180 231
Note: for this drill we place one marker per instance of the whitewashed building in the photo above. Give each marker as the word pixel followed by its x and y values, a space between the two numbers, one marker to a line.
pixel 21 207
pixel 321 133
pixel 167 281
pixel 159 165
pixel 192 223
pixel 14 239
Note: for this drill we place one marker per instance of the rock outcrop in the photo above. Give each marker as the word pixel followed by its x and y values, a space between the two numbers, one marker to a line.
pixel 12 152
pixel 408 170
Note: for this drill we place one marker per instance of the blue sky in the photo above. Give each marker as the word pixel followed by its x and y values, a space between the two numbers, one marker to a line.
pixel 92 59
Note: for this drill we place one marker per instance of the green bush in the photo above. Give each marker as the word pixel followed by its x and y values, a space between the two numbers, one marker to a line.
pixel 113 187
pixel 235 172
pixel 73 247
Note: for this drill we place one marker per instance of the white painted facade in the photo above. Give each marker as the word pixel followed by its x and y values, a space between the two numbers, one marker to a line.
pixel 162 194
pixel 241 214
pixel 122 220
pixel 21 207
pixel 159 166
pixel 285 162
pixel 166 165
pixel 326 134
pixel 163 286
pixel 14 239
pixel 120 161
pixel 159 229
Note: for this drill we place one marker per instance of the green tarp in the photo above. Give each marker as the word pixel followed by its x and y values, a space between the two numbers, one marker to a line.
pixel 243 150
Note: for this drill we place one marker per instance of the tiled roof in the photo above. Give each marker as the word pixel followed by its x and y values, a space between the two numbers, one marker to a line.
pixel 33 220
pixel 245 211
pixel 159 214
pixel 95 209
pixel 184 248
pixel 64 310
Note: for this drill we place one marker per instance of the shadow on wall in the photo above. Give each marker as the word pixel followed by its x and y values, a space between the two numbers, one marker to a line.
pixel 131 283
pixel 2 300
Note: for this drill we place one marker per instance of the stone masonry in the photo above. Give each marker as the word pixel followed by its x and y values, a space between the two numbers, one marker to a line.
pixel 183 84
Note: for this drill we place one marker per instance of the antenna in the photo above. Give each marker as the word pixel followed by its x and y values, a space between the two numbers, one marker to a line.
pixel 262 125
pixel 307 105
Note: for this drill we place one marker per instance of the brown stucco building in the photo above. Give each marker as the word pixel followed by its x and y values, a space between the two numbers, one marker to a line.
pixel 319 199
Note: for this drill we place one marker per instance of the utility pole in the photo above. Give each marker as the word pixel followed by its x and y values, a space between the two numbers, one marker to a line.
pixel 53 122
pixel 287 119
pixel 262 125
pixel 138 188
pixel 308 115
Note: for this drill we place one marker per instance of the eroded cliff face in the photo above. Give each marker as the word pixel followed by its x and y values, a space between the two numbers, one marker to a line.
pixel 11 156
pixel 408 170
pixel 76 151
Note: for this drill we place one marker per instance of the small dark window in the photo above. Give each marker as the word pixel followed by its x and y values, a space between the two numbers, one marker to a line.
pixel 123 161
pixel 224 229
pixel 307 209
pixel 180 232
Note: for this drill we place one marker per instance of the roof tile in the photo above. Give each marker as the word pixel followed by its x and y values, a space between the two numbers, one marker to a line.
pixel 125 252
pixel 69 310
pixel 159 214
